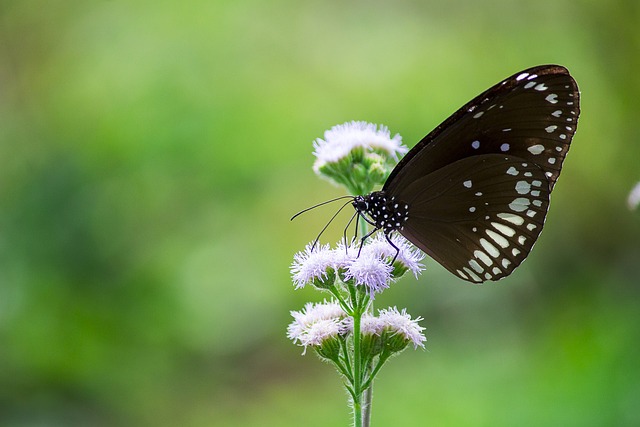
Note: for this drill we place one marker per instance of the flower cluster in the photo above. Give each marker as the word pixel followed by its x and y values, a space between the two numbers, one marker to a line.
pixel 344 330
pixel 368 267
pixel 317 323
pixel 324 325
pixel 358 155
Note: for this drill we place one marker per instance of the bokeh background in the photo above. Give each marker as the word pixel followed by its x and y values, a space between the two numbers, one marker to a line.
pixel 152 153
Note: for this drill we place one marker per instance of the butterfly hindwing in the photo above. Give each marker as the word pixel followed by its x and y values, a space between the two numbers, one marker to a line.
pixel 480 216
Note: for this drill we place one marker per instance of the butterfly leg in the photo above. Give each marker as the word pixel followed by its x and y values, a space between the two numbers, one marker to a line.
pixel 394 247
pixel 346 228
pixel 365 237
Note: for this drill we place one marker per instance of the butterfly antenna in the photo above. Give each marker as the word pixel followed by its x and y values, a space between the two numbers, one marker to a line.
pixel 320 204
pixel 315 242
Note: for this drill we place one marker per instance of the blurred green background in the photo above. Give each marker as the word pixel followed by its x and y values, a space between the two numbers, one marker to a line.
pixel 152 153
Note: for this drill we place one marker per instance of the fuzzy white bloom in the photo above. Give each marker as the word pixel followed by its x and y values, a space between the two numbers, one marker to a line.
pixel 312 266
pixel 370 271
pixel 371 268
pixel 316 322
pixel 633 201
pixel 409 256
pixel 344 255
pixel 320 331
pixel 340 140
pixel 371 325
pixel 400 323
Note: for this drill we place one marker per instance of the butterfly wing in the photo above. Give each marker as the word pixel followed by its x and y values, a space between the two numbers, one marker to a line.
pixel 480 216
pixel 531 115
pixel 478 185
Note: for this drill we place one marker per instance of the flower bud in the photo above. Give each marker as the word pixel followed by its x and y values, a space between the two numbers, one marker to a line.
pixel 357 155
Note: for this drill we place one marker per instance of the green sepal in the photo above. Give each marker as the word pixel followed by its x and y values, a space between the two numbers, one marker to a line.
pixel 329 349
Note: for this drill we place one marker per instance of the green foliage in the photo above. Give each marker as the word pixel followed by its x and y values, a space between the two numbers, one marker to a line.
pixel 151 154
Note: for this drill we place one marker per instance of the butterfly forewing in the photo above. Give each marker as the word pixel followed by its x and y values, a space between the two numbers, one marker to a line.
pixel 480 216
pixel 531 115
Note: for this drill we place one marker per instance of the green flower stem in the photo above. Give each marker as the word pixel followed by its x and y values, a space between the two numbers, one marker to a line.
pixel 334 291
pixel 381 360
pixel 344 371
pixel 357 361
pixel 368 388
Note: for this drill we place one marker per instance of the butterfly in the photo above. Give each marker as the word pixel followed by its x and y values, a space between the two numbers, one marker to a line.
pixel 474 193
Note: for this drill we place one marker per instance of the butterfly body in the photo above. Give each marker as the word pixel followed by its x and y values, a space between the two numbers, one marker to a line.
pixel 385 213
pixel 474 193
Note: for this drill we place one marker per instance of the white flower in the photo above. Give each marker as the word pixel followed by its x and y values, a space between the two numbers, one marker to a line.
pixel 320 331
pixel 313 267
pixel 634 197
pixel 316 323
pixel 400 323
pixel 370 325
pixel 344 255
pixel 370 271
pixel 409 256
pixel 340 140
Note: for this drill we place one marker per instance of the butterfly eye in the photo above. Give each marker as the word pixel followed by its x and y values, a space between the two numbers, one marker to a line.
pixel 360 204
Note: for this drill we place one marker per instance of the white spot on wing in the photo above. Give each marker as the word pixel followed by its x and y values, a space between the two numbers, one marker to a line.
pixel 504 229
pixel 500 241
pixel 520 204
pixel 491 250
pixel 482 257
pixel 471 274
pixel 475 144
pixel 461 274
pixel 536 149
pixel 523 187
pixel 467 183
pixel 474 264
pixel 512 171
pixel 552 98
pixel 513 219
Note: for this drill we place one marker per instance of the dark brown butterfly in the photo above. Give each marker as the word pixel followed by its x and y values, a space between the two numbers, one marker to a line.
pixel 474 193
